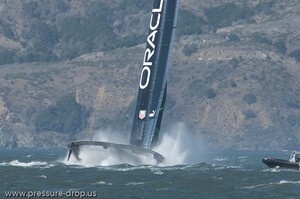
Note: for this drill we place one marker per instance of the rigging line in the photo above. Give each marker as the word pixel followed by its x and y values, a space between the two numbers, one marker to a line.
pixel 126 30
pixel 120 46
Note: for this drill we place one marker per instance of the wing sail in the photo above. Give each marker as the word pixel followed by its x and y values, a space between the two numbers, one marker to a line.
pixel 153 80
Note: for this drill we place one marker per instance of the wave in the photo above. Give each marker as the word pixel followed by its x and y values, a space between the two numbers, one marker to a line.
pixel 276 170
pixel 155 169
pixel 42 176
pixel 117 167
pixel 17 163
pixel 273 170
pixel 102 183
pixel 135 183
pixel 287 182
pixel 254 186
pixel 272 183
pixel 157 172
pixel 220 159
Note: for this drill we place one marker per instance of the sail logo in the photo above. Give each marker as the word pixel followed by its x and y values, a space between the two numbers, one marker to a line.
pixel 152 114
pixel 149 52
pixel 142 114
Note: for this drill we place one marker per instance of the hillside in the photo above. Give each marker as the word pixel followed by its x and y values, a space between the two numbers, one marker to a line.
pixel 70 68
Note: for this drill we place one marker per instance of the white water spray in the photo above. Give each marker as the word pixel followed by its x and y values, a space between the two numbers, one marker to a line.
pixel 178 146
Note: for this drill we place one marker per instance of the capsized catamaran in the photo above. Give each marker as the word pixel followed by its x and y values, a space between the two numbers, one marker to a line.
pixel 152 86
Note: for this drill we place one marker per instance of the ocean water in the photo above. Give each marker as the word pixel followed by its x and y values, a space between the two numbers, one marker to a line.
pixel 217 174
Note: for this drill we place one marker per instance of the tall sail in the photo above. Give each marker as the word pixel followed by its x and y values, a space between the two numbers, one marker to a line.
pixel 153 80
pixel 152 87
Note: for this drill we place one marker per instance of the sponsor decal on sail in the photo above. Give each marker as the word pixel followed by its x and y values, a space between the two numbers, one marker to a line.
pixel 150 50
pixel 142 114
pixel 152 114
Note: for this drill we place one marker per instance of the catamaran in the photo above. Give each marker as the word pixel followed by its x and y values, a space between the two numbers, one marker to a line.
pixel 152 89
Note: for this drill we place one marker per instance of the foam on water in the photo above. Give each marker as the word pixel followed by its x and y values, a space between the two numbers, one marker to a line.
pixel 135 183
pixel 288 182
pixel 220 159
pixel 17 163
pixel 42 176
pixel 254 186
pixel 102 183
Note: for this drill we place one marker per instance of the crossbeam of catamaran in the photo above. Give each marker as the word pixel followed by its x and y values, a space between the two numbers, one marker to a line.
pixel 152 85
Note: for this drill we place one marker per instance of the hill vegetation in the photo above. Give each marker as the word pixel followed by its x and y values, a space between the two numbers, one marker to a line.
pixel 70 68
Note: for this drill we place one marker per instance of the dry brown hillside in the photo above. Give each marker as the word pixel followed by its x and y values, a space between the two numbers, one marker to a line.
pixel 70 68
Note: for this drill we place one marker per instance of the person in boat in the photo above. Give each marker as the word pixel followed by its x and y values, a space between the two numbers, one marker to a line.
pixel 297 158
pixel 294 157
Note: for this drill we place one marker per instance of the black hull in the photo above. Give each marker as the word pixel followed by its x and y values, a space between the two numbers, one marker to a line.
pixel 74 148
pixel 279 163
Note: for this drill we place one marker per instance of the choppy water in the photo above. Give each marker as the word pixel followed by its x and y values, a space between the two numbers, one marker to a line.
pixel 219 175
